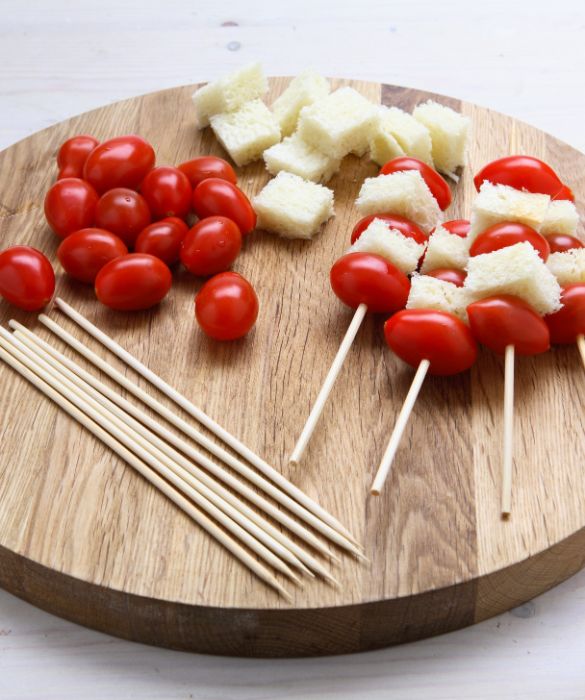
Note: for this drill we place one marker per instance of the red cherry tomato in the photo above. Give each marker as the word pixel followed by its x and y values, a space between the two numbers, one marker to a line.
pixel 120 162
pixel 436 336
pixel 168 192
pixel 506 234
pixel 73 154
pixel 565 325
pixel 447 274
pixel 504 320
pixel 363 278
pixel 27 279
pixel 216 197
pixel 407 228
pixel 436 184
pixel 561 242
pixel 211 246
pixel 204 167
pixel 565 193
pixel 70 204
pixel 85 252
pixel 123 212
pixel 459 227
pixel 226 306
pixel 162 239
pixel 133 282
pixel 522 173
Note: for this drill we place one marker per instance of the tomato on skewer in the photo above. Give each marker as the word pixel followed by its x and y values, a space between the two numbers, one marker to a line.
pixel 506 234
pixel 437 185
pixel 448 274
pixel 523 173
pixel 561 242
pixel 405 226
pixel 459 227
pixel 568 324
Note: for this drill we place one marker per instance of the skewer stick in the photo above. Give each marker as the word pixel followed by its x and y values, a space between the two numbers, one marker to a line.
pixel 151 476
pixel 508 431
pixel 313 419
pixel 204 419
pixel 403 416
pixel 581 346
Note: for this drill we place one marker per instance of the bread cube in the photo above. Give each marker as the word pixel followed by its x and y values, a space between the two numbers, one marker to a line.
pixel 340 123
pixel 293 207
pixel 561 217
pixel 306 88
pixel 295 156
pixel 568 267
pixel 448 131
pixel 246 133
pixel 516 270
pixel 431 293
pixel 378 238
pixel 404 193
pixel 229 93
pixel 445 249
pixel 398 133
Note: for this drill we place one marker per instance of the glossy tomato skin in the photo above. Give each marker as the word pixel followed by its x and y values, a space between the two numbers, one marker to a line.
pixel 70 204
pixel 437 336
pixel 73 154
pixel 211 246
pixel 168 192
pixel 449 274
pixel 85 252
pixel 27 279
pixel 437 185
pixel 124 212
pixel 504 320
pixel 226 307
pixel 565 193
pixel 565 325
pixel 133 282
pixel 162 239
pixel 204 167
pixel 459 227
pixel 522 173
pixel 405 226
pixel 363 278
pixel 119 162
pixel 216 197
pixel 561 242
pixel 506 234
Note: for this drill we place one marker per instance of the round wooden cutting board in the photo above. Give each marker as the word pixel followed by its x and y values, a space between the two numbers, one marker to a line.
pixel 84 537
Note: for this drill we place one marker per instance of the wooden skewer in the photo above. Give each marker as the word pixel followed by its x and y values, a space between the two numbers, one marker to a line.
pixel 581 346
pixel 151 476
pixel 403 416
pixel 508 431
pixel 313 419
pixel 205 420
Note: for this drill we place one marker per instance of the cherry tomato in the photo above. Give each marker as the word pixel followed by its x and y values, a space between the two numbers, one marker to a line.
pixel 437 336
pixel 73 154
pixel 447 274
pixel 123 212
pixel 405 226
pixel 216 197
pixel 504 320
pixel 459 227
pixel 226 306
pixel 211 246
pixel 363 278
pixel 204 167
pixel 436 184
pixel 565 193
pixel 85 252
pixel 561 242
pixel 522 173
pixel 70 204
pixel 565 325
pixel 27 279
pixel 120 162
pixel 163 239
pixel 133 282
pixel 506 234
pixel 168 192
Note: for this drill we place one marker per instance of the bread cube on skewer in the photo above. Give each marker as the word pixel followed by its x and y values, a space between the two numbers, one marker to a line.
pixel 445 250
pixel 561 217
pixel 431 293
pixel 379 239
pixel 448 130
pixel 568 267
pixel 306 88
pixel 294 155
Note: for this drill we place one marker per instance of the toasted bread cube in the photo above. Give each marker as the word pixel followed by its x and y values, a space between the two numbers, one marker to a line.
pixel 448 131
pixel 432 293
pixel 445 249
pixel 516 270
pixel 246 133
pixel 398 133
pixel 378 238
pixel 295 156
pixel 293 207
pixel 404 193
pixel 561 217
pixel 306 88
pixel 340 123
pixel 229 93
pixel 568 267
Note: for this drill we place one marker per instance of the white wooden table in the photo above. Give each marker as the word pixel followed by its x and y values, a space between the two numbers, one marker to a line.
pixel 61 57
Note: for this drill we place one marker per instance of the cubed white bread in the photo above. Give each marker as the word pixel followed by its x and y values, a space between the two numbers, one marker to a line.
pixel 568 267
pixel 229 93
pixel 404 193
pixel 378 238
pixel 296 156
pixel 498 203
pixel 516 270
pixel 561 217
pixel 431 293
pixel 340 123
pixel 445 249
pixel 398 133
pixel 306 88
pixel 246 133
pixel 293 207
pixel 448 130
